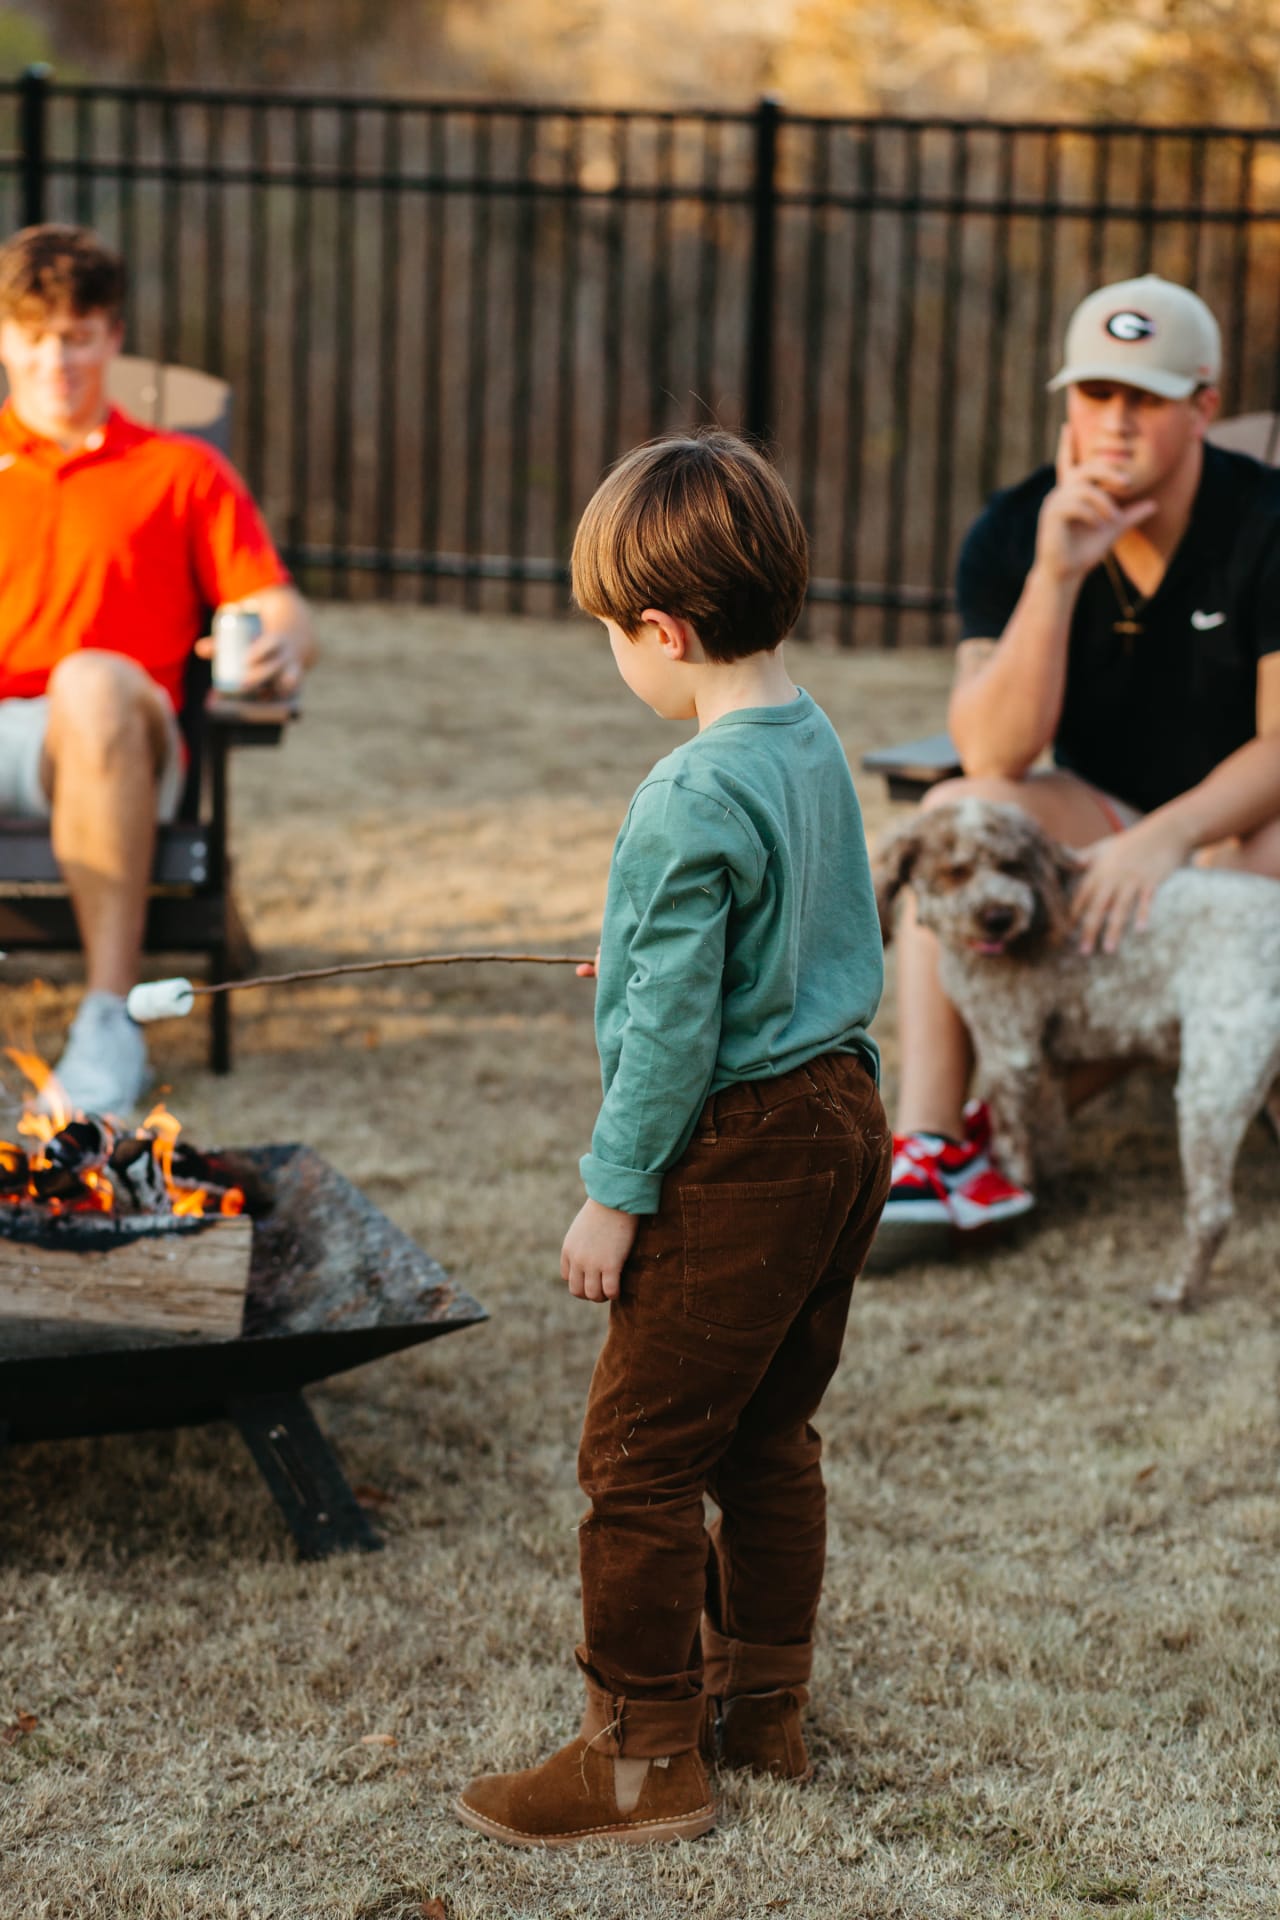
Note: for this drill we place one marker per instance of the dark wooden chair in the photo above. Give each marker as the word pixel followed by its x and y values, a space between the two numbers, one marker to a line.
pixel 916 765
pixel 909 770
pixel 192 908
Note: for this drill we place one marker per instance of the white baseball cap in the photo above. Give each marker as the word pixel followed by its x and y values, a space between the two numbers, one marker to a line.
pixel 1148 333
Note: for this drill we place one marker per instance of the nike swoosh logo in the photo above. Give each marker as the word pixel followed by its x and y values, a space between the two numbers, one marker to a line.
pixel 1203 621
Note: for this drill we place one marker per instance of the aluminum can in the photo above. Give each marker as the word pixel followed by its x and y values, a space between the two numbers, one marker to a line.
pixel 234 631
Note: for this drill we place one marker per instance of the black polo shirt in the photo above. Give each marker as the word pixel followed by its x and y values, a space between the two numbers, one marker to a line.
pixel 1145 716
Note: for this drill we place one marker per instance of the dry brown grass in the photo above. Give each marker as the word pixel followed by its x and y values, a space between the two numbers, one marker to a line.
pixel 1047 1683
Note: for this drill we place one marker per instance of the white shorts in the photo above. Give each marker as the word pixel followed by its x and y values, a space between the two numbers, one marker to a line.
pixel 22 730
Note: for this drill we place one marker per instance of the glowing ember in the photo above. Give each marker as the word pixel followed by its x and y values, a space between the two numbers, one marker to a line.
pixel 82 1164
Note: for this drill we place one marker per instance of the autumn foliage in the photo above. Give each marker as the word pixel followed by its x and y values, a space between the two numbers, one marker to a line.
pixel 1157 60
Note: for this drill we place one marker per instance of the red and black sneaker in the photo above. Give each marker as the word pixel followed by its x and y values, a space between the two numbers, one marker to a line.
pixel 985 1195
pixel 955 1183
pixel 924 1165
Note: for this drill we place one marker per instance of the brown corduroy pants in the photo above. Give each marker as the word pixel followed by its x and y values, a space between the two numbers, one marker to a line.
pixel 720 1346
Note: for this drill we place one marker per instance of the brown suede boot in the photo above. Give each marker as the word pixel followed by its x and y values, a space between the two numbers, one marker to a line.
pixel 758 1730
pixel 755 1696
pixel 591 1790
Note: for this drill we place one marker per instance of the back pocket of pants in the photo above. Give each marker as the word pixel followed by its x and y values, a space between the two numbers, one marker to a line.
pixel 751 1251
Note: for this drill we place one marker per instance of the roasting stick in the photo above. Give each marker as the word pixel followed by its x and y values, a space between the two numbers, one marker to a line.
pixel 173 999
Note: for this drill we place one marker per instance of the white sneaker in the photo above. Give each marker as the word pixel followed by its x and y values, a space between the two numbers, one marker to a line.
pixel 104 1067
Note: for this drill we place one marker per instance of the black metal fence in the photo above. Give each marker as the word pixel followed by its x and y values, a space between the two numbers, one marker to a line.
pixel 442 320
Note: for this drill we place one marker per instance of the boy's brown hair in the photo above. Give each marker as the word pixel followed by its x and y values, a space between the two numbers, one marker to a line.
pixel 701 527
pixel 54 269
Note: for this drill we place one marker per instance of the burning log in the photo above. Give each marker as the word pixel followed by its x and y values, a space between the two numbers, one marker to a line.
pixel 186 1194
pixel 121 1232
pixel 83 1144
pixel 84 1167
pixel 61 1184
pixel 221 1173
pixel 80 1163
pixel 136 1177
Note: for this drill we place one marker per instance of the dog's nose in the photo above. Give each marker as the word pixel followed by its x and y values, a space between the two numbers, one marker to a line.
pixel 997 920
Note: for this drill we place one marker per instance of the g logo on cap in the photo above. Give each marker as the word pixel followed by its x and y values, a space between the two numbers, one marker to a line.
pixel 1130 326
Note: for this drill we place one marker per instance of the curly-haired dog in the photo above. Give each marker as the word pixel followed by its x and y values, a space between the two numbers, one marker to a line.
pixel 1199 988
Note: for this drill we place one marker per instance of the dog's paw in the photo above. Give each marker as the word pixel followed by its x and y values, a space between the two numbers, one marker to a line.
pixel 1172 1296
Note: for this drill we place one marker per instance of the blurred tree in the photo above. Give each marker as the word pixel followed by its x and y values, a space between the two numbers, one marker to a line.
pixel 1155 60
pixel 23 42
pixel 1170 60
pixel 1164 60
pixel 1179 60
pixel 237 42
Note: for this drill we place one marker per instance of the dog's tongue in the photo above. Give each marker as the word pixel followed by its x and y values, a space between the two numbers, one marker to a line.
pixel 988 946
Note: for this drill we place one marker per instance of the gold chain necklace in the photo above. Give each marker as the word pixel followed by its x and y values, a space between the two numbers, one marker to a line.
pixel 1128 624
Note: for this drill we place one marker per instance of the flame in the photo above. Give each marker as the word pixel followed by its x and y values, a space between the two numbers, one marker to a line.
pixel 97 1194
pixel 166 1129
pixel 104 1194
pixel 185 1201
pixel 41 1125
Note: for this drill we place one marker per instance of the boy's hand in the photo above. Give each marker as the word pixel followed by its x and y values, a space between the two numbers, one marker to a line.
pixel 590 969
pixel 595 1249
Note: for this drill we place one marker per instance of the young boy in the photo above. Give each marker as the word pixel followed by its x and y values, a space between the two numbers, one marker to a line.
pixel 737 1169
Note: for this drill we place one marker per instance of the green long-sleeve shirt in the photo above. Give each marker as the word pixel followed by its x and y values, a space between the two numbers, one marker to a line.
pixel 740 935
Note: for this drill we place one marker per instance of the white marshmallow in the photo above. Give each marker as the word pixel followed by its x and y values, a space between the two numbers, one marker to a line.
pixel 160 1000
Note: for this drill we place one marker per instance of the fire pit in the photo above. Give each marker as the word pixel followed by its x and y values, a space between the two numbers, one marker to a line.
pixel 331 1283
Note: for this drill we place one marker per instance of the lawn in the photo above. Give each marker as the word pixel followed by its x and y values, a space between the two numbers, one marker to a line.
pixel 1046 1684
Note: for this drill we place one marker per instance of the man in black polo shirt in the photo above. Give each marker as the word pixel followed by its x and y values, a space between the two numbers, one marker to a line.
pixel 1123 609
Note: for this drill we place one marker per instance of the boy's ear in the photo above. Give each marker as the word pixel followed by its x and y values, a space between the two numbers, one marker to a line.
pixel 673 633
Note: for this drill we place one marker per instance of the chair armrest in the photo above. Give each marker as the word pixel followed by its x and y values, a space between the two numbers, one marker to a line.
pixel 245 721
pixel 915 766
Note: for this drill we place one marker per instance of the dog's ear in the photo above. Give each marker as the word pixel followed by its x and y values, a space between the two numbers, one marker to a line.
pixel 895 855
pixel 1061 865
pixel 1057 869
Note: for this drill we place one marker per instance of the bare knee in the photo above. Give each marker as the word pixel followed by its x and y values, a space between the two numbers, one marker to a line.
pixel 1065 807
pixel 1258 852
pixel 103 702
pixel 1011 793
pixel 93 681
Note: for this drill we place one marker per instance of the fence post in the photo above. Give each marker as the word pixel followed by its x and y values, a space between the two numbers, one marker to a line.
pixel 764 208
pixel 33 120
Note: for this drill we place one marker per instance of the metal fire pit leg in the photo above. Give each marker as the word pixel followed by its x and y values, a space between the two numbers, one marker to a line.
pixel 302 1471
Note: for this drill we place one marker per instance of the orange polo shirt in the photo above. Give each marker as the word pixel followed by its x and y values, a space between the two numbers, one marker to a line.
pixel 124 544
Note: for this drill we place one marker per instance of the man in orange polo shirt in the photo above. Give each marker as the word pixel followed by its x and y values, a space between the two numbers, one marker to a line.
pixel 115 540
